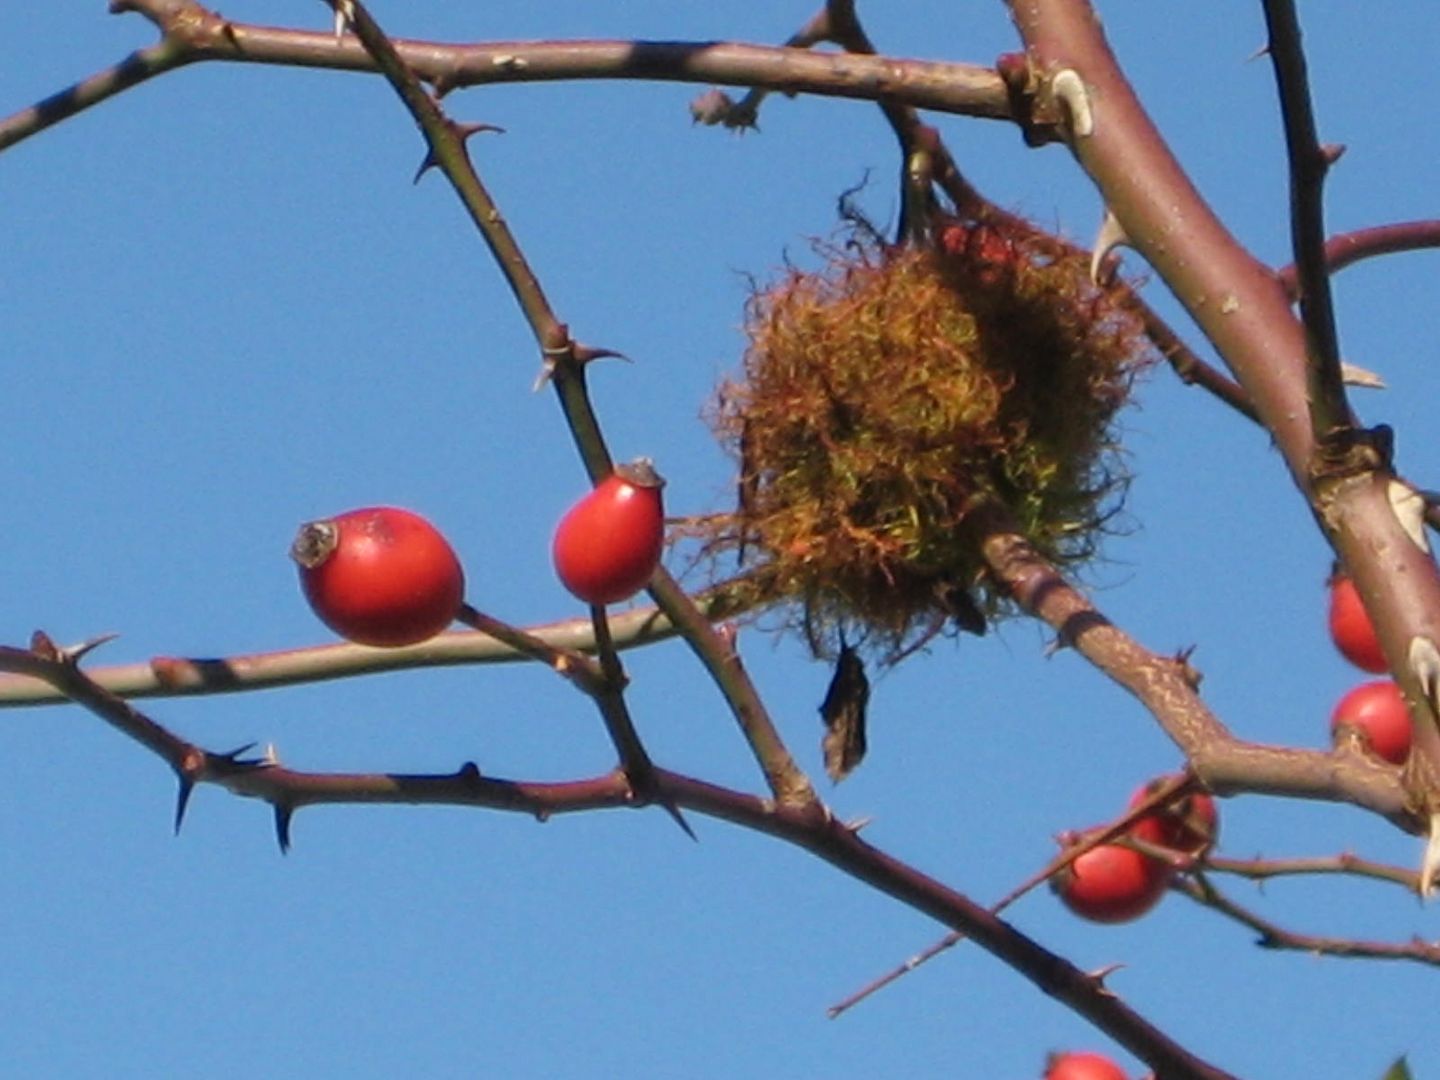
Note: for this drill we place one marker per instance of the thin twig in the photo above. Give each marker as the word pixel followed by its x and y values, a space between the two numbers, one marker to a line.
pixel 565 361
pixel 1347 248
pixel 1308 166
pixel 1344 863
pixel 140 66
pixel 1272 936
pixel 173 676
pixel 589 676
pixel 287 789
pixel 1163 793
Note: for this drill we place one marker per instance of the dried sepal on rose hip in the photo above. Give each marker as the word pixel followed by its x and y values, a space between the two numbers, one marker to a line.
pixel 1190 824
pixel 379 575
pixel 608 545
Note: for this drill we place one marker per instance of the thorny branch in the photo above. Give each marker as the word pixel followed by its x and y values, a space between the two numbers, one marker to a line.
pixel 287 790
pixel 564 364
pixel 1370 517
pixel 172 676
pixel 193 33
pixel 1202 890
pixel 1309 163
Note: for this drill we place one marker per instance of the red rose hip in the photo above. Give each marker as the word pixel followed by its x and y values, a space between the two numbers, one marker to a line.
pixel 1378 709
pixel 1082 1065
pixel 1351 628
pixel 1112 884
pixel 608 544
pixel 379 575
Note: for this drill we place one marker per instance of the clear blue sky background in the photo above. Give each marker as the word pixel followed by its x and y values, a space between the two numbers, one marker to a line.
pixel 226 310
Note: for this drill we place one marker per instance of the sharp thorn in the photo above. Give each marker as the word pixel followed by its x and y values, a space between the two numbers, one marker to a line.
pixel 283 814
pixel 585 353
pixel 466 130
pixel 674 812
pixel 75 652
pixel 425 166
pixel 1353 375
pixel 1111 236
pixel 182 802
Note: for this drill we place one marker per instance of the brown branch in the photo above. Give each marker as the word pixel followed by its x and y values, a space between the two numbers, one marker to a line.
pixel 565 362
pixel 1340 251
pixel 1273 936
pixel 1309 163
pixel 1192 370
pixel 140 66
pixel 174 676
pixel 1344 863
pixel 1346 249
pixel 1167 687
pixel 194 33
pixel 1163 793
pixel 1239 304
pixel 288 789
pixel 580 669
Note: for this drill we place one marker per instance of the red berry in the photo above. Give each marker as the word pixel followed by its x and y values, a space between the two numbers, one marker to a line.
pixel 1351 628
pixel 608 544
pixel 1112 884
pixel 1081 1065
pixel 379 576
pixel 1189 824
pixel 1378 709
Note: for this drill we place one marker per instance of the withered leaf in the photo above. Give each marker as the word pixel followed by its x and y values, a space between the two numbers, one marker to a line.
pixel 843 711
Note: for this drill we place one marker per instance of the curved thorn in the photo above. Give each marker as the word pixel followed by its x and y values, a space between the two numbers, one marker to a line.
pixel 283 814
pixel 1069 90
pixel 425 166
pixel 75 652
pixel 182 802
pixel 585 353
pixel 674 812
pixel 466 130
pixel 1111 236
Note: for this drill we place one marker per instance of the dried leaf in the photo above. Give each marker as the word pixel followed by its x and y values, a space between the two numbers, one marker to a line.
pixel 843 711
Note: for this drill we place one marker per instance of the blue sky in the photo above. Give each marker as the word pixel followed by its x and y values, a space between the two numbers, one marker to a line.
pixel 226 310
